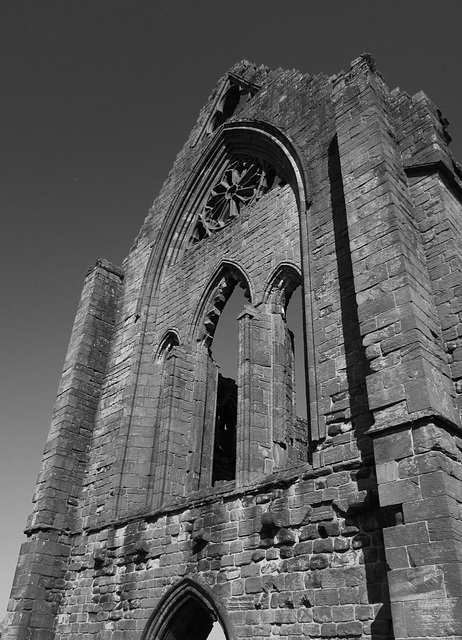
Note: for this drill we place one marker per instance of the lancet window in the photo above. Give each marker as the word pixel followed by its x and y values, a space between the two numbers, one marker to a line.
pixel 220 393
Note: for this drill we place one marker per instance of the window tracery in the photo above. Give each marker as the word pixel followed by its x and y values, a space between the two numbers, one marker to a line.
pixel 234 97
pixel 243 182
pixel 220 294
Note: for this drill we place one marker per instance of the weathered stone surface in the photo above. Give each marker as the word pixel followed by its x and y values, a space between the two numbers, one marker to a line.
pixel 166 487
pixel 418 583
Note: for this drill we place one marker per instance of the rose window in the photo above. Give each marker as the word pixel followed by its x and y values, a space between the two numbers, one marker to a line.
pixel 244 181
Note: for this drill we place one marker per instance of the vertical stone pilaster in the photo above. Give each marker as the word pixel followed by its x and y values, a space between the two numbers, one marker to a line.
pixel 78 394
pixel 200 465
pixel 207 428
pixel 40 571
pixel 166 472
pixel 254 455
pixel 420 486
pixel 409 376
pixel 438 205
pixel 283 396
pixel 243 444
pixel 397 317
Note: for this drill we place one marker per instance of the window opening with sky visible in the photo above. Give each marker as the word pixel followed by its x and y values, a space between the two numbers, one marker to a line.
pixel 294 319
pixel 225 352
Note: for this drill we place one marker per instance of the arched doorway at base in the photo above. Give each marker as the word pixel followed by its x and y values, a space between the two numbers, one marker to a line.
pixel 189 611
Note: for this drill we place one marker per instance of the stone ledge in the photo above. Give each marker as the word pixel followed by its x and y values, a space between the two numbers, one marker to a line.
pixel 107 266
pixel 414 420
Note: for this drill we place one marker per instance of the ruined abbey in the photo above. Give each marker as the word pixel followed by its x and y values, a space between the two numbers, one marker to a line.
pixel 173 498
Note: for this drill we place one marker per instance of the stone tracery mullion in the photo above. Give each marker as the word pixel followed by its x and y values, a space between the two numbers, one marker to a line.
pixel 243 182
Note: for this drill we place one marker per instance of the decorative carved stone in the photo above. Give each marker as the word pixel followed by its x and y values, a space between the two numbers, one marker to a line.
pixel 244 181
pixel 235 96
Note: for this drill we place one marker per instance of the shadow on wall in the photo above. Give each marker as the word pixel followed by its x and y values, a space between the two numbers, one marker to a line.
pixel 367 515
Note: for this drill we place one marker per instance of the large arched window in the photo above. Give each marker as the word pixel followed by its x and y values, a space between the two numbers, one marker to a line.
pixel 220 390
pixel 225 352
pixel 243 207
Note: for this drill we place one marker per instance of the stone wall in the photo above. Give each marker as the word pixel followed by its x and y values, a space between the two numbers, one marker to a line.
pixel 341 526
pixel 294 557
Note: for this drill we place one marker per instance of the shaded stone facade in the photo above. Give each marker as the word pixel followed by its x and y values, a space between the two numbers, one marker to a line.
pixel 171 496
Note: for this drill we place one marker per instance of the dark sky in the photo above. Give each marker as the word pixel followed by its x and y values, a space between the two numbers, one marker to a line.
pixel 97 98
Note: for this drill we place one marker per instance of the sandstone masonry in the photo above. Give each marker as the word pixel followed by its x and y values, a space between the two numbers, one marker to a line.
pixel 171 497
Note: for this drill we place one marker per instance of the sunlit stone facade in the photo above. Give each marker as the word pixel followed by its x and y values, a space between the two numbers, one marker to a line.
pixel 172 497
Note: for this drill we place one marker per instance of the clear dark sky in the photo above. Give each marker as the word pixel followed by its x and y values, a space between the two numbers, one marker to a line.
pixel 97 98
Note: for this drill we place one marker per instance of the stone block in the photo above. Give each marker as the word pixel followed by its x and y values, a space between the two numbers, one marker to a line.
pixel 323 545
pixel 439 483
pixel 399 491
pixel 452 578
pixel 319 561
pixel 350 629
pixel 328 630
pixel 429 553
pixel 253 585
pixel 433 618
pixel 341 545
pixel 322 614
pixel 309 532
pixel 423 463
pixel 432 437
pixel 387 471
pixel 393 446
pixel 445 529
pixel 333 578
pixel 406 534
pixel 416 583
pixel 299 563
pixel 429 509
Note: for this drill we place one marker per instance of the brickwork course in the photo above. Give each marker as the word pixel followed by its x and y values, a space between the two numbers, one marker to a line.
pixel 171 498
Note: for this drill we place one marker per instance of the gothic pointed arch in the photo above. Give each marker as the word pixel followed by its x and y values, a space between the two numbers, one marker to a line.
pixel 219 395
pixel 270 145
pixel 281 284
pixel 236 140
pixel 220 287
pixel 168 341
pixel 234 93
pixel 187 612
pixel 188 426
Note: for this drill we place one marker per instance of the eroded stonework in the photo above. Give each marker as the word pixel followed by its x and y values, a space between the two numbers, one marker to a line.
pixel 173 497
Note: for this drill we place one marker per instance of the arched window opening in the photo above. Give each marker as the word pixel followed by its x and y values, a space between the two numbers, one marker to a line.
pixel 169 341
pixel 294 319
pixel 224 350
